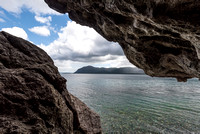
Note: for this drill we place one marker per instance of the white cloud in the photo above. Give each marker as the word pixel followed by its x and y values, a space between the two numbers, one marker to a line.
pixel 2 20
pixel 35 6
pixel 40 30
pixel 79 46
pixel 45 20
pixel 120 61
pixel 80 43
pixel 17 31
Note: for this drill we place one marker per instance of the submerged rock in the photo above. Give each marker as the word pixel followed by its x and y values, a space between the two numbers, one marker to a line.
pixel 33 95
pixel 159 36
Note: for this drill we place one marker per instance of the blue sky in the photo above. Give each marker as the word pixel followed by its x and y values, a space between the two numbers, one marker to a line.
pixel 69 44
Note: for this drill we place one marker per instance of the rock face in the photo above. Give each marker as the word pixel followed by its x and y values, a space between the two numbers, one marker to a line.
pixel 33 95
pixel 159 36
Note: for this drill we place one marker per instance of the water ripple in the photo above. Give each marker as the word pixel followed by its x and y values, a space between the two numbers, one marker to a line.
pixel 138 103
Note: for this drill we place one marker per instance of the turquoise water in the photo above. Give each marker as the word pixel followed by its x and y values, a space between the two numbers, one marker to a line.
pixel 138 103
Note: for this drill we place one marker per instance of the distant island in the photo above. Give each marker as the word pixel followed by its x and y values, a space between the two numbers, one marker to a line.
pixel 96 70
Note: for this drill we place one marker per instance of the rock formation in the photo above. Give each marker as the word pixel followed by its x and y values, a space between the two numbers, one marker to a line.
pixel 159 36
pixel 33 95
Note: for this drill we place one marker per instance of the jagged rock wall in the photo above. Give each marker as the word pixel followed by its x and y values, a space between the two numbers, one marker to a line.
pixel 159 36
pixel 33 95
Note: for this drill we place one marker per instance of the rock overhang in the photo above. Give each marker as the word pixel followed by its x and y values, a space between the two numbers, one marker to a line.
pixel 159 36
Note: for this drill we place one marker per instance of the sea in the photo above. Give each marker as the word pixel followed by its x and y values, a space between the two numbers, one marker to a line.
pixel 132 104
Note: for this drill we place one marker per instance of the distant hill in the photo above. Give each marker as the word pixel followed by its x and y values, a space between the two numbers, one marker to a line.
pixel 123 70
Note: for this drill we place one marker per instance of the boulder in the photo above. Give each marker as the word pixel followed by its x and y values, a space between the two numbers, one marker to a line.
pixel 33 95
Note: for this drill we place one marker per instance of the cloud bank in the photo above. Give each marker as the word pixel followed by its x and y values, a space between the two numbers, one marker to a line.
pixel 80 45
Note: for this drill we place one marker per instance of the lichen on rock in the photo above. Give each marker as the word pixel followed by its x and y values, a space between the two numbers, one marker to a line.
pixel 159 36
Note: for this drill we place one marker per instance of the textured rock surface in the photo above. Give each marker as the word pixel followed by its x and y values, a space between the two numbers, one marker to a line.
pixel 160 36
pixel 89 123
pixel 33 95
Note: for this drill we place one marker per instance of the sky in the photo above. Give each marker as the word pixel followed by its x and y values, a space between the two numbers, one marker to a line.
pixel 69 44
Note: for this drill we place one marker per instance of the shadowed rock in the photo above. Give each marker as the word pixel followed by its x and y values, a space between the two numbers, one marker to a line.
pixel 33 95
pixel 159 36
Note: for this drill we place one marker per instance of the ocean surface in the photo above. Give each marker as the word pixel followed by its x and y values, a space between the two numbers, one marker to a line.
pixel 131 104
